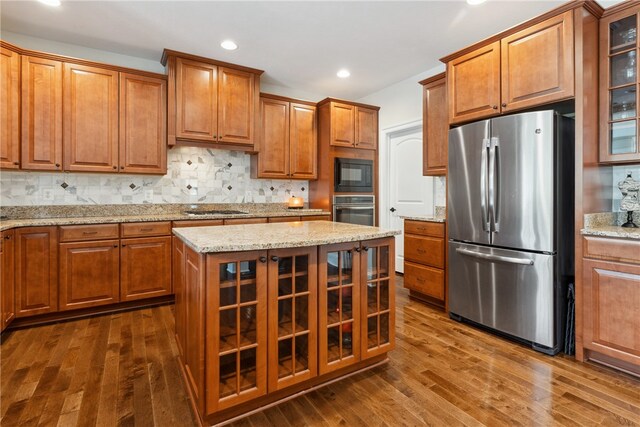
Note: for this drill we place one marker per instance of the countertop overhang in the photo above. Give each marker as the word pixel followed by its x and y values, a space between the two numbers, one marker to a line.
pixel 236 238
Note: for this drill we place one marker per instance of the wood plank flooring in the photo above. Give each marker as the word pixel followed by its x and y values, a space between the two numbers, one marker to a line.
pixel 120 370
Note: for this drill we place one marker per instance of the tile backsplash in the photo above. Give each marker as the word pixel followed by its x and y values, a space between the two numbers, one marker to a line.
pixel 440 191
pixel 194 175
pixel 619 174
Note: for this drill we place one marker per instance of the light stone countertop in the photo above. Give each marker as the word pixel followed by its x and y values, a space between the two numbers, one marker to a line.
pixel 612 231
pixel 235 238
pixel 176 216
pixel 425 218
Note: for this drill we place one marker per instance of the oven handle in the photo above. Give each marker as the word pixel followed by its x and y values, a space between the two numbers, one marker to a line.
pixel 357 208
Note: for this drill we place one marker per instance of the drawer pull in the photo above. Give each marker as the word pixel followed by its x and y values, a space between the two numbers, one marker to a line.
pixel 146 229
pixel 420 279
pixel 89 233
pixel 421 251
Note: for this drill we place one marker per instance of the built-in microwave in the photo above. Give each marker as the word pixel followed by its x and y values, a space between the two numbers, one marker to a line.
pixel 353 175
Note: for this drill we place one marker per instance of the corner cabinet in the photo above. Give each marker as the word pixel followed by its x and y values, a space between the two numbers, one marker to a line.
pixel 618 87
pixel 211 101
pixel 287 143
pixel 435 126
pixel 530 67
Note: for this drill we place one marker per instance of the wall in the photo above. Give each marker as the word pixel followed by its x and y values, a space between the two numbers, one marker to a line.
pixel 619 174
pixel 215 176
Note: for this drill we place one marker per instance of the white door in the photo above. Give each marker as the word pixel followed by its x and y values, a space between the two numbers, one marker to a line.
pixel 410 193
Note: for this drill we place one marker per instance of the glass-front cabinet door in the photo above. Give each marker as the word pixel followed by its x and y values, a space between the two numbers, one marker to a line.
pixel 338 306
pixel 236 336
pixel 619 87
pixel 292 295
pixel 377 296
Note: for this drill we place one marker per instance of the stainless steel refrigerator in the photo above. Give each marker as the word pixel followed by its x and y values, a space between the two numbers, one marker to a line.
pixel 510 219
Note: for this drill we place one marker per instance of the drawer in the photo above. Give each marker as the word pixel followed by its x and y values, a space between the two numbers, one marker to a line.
pixel 424 250
pixel 316 218
pixel 612 249
pixel 423 228
pixel 198 223
pixel 79 233
pixel 236 221
pixel 426 280
pixel 142 229
pixel 284 219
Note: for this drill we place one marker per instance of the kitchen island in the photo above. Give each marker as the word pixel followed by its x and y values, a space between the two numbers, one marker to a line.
pixel 265 312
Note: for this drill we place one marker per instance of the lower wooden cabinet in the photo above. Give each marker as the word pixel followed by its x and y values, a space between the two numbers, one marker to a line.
pixel 193 313
pixel 145 268
pixel 7 292
pixel 89 274
pixel 36 270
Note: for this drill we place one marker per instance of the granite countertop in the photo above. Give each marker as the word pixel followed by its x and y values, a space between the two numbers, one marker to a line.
pixel 607 224
pixel 233 238
pixel 426 218
pixel 77 215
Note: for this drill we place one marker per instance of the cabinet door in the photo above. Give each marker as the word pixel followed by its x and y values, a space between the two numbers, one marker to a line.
pixel 338 306
pixel 41 114
pixel 473 84
pixel 377 297
pixel 145 268
pixel 611 310
pixel 194 312
pixel 90 119
pixel 435 134
pixel 236 328
pixel 143 124
pixel 178 284
pixel 196 100
pixel 9 109
pixel 236 105
pixel 303 142
pixel 537 64
pixel 7 290
pixel 292 290
pixel 342 124
pixel 619 87
pixel 89 274
pixel 366 128
pixel 273 158
pixel 36 274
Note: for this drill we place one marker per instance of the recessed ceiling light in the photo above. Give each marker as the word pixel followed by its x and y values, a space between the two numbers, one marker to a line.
pixel 229 45
pixel 50 2
pixel 475 2
pixel 343 74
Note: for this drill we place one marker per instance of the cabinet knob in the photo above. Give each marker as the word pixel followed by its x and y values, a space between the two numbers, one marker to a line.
pixel 215 136
pixel 275 258
pixel 7 237
pixel 123 245
pixel 115 246
pixel 219 137
pixel 495 107
pixel 357 249
pixel 16 163
pixel 504 104
pixel 121 167
pixel 263 259
pixel 365 248
pixel 57 165
pixel 115 167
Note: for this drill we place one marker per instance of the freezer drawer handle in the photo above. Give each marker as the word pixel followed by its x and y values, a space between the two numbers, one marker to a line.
pixel 498 258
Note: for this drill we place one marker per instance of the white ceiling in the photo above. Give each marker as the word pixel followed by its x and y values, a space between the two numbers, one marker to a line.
pixel 299 44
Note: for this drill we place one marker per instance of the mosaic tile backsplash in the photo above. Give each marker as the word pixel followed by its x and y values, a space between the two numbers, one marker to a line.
pixel 194 175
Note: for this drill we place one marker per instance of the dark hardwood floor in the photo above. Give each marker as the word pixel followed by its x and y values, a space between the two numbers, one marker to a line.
pixel 120 369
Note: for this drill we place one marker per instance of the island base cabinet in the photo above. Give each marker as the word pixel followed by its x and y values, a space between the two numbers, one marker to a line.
pixel 145 265
pixel 192 307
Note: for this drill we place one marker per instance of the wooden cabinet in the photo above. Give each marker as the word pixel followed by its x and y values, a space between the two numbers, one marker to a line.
pixel 145 267
pixel 618 87
pixel 90 119
pixel 7 291
pixel 41 114
pixel 533 66
pixel 435 127
pixel 240 221
pixel 9 109
pixel 178 260
pixel 287 140
pixel 352 125
pixel 143 130
pixel 36 270
pixel 284 219
pixel 425 261
pixel 611 302
pixel 211 101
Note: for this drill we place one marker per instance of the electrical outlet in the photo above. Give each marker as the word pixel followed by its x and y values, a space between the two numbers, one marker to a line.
pixel 47 194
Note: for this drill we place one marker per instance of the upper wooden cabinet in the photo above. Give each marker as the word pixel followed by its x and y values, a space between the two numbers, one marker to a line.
pixel 143 124
pixel 211 101
pixel 618 87
pixel 287 139
pixel 9 109
pixel 351 125
pixel 41 114
pixel 435 128
pixel 530 67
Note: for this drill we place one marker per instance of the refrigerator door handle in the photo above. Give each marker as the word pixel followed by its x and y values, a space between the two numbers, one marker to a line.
pixel 483 185
pixel 493 177
pixel 499 258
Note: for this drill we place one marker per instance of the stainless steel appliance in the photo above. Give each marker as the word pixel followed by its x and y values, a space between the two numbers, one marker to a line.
pixel 510 220
pixel 355 209
pixel 353 175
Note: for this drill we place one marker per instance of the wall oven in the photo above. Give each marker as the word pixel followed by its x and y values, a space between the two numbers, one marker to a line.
pixel 355 209
pixel 353 175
